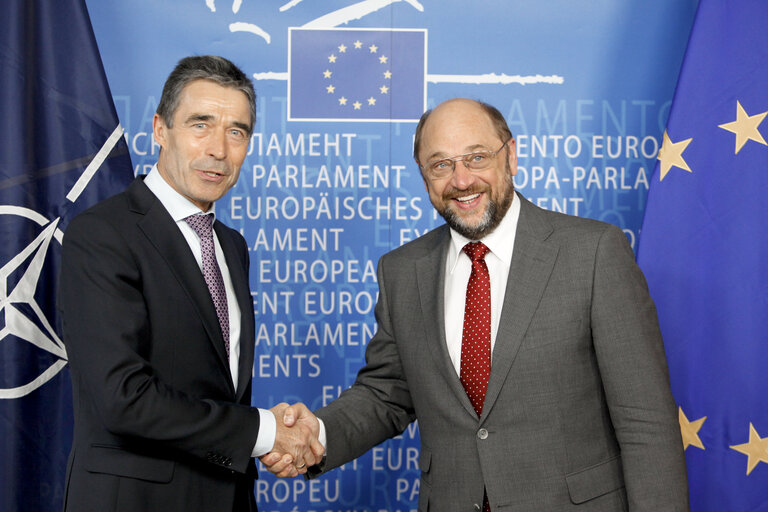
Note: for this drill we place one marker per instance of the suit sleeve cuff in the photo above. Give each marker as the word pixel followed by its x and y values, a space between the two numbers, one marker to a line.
pixel 267 432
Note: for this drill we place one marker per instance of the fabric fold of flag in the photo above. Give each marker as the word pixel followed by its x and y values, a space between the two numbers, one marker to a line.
pixel 704 250
pixel 61 150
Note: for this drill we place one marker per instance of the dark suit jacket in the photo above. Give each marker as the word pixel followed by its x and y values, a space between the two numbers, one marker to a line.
pixel 158 423
pixel 578 415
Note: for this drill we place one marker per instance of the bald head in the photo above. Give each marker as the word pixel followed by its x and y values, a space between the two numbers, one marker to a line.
pixel 447 117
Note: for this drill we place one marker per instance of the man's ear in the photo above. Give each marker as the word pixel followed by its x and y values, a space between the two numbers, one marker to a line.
pixel 159 129
pixel 512 151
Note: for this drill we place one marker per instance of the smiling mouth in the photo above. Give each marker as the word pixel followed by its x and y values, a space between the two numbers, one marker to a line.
pixel 467 199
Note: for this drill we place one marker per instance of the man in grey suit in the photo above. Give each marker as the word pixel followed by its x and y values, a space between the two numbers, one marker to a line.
pixel 576 412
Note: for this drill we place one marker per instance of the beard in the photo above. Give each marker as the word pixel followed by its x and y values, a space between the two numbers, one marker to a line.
pixel 492 216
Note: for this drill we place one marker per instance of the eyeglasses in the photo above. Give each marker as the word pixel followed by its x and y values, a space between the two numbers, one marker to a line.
pixel 477 161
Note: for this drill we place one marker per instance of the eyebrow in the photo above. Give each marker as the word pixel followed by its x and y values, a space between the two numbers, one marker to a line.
pixel 208 117
pixel 199 117
pixel 440 155
pixel 242 126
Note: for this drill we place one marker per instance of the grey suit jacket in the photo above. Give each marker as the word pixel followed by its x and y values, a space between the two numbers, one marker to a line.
pixel 578 413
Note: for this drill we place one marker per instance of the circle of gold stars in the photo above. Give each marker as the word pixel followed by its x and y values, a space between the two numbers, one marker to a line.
pixel 357 103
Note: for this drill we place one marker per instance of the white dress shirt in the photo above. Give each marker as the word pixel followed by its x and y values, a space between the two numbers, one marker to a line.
pixel 458 266
pixel 179 207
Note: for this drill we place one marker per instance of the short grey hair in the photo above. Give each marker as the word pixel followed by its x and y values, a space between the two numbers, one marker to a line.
pixel 204 67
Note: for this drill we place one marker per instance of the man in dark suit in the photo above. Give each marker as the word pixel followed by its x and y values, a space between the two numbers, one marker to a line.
pixel 158 321
pixel 532 360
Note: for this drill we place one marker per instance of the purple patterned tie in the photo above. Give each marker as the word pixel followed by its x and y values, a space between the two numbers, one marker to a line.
pixel 203 226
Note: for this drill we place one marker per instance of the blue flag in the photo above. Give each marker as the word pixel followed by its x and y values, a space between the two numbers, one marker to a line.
pixel 61 150
pixel 356 74
pixel 704 250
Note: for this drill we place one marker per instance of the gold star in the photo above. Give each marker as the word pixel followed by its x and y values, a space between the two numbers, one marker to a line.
pixel 327 74
pixel 330 89
pixel 387 74
pixel 384 89
pixel 745 127
pixel 342 49
pixel 373 48
pixel 371 100
pixel 671 155
pixel 383 59
pixel 690 430
pixel 358 44
pixel 332 58
pixel 342 101
pixel 357 105
pixel 756 449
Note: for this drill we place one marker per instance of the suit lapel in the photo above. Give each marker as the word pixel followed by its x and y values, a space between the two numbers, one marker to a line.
pixel 532 262
pixel 158 226
pixel 430 278
pixel 239 276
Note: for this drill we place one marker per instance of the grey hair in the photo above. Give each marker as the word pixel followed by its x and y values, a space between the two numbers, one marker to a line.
pixel 204 67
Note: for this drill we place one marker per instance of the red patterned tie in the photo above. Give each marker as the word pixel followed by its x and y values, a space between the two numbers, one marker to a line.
pixel 203 226
pixel 476 336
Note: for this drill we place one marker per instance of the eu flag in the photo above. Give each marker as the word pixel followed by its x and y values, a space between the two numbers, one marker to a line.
pixel 61 150
pixel 356 74
pixel 704 250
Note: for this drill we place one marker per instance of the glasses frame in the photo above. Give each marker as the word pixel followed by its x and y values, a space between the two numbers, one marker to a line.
pixel 465 158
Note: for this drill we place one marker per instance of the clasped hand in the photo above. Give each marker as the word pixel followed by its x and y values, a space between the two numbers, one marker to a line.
pixel 296 445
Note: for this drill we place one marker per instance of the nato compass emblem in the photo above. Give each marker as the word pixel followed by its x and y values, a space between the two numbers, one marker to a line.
pixel 31 352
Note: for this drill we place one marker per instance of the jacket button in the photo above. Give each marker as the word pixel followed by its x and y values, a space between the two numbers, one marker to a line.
pixel 478 507
pixel 482 434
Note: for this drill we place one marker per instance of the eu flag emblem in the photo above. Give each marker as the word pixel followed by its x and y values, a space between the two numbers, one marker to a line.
pixel 356 74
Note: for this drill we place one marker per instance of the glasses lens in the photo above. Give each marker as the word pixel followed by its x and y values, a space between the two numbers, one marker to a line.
pixel 441 168
pixel 479 160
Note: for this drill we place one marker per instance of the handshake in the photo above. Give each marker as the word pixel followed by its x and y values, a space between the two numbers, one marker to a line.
pixel 296 441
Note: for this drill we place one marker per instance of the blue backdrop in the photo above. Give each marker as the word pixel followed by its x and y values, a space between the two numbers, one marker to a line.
pixel 329 184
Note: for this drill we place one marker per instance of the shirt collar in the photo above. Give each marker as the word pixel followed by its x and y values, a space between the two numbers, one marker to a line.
pixel 501 241
pixel 177 205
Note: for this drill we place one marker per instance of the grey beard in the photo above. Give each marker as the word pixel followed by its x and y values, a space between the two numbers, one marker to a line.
pixel 490 220
pixel 486 225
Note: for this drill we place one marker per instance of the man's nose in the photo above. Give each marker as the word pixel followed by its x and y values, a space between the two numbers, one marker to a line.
pixel 462 176
pixel 217 145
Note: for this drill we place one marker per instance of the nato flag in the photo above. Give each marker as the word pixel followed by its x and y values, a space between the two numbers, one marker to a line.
pixel 704 250
pixel 61 150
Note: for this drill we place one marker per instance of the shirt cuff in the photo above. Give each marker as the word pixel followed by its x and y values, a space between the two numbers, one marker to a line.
pixel 321 436
pixel 267 433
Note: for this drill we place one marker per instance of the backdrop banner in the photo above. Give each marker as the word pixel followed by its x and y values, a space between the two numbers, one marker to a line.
pixel 329 183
